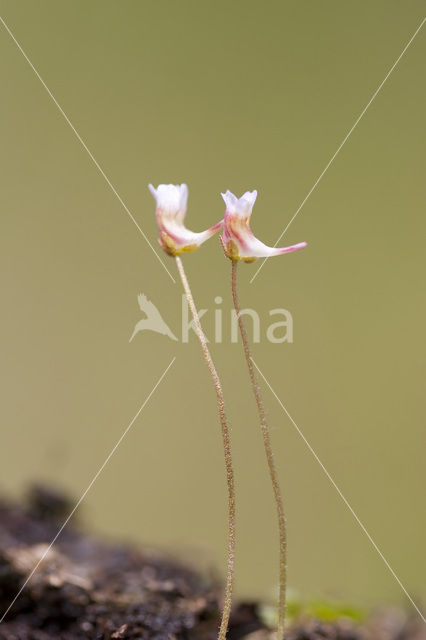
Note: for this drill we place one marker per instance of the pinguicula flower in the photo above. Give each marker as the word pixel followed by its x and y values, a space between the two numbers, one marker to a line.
pixel 238 240
pixel 175 238
pixel 239 243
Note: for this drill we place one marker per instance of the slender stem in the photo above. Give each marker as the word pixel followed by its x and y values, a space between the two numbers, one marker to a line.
pixel 269 456
pixel 227 451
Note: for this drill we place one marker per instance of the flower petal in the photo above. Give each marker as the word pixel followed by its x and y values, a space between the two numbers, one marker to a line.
pixel 238 240
pixel 175 238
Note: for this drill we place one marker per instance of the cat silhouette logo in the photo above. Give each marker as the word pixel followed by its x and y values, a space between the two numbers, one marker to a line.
pixel 153 320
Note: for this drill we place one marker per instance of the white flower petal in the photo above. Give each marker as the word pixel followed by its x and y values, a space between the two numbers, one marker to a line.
pixel 231 201
pixel 249 199
pixel 240 206
pixel 183 196
pixel 171 202
pixel 238 240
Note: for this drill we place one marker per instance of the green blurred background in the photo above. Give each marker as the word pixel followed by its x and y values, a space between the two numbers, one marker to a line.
pixel 236 95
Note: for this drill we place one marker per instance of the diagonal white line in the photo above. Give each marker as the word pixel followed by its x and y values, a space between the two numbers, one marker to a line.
pixel 343 142
pixel 92 482
pixel 90 154
pixel 340 494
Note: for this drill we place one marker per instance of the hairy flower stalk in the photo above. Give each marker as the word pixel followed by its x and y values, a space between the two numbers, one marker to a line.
pixel 239 243
pixel 175 239
pixel 269 457
pixel 227 450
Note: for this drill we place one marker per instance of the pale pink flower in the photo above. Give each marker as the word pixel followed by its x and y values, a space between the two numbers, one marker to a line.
pixel 238 240
pixel 170 212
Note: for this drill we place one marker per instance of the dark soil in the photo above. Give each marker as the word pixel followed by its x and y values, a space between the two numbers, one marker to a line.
pixel 86 589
